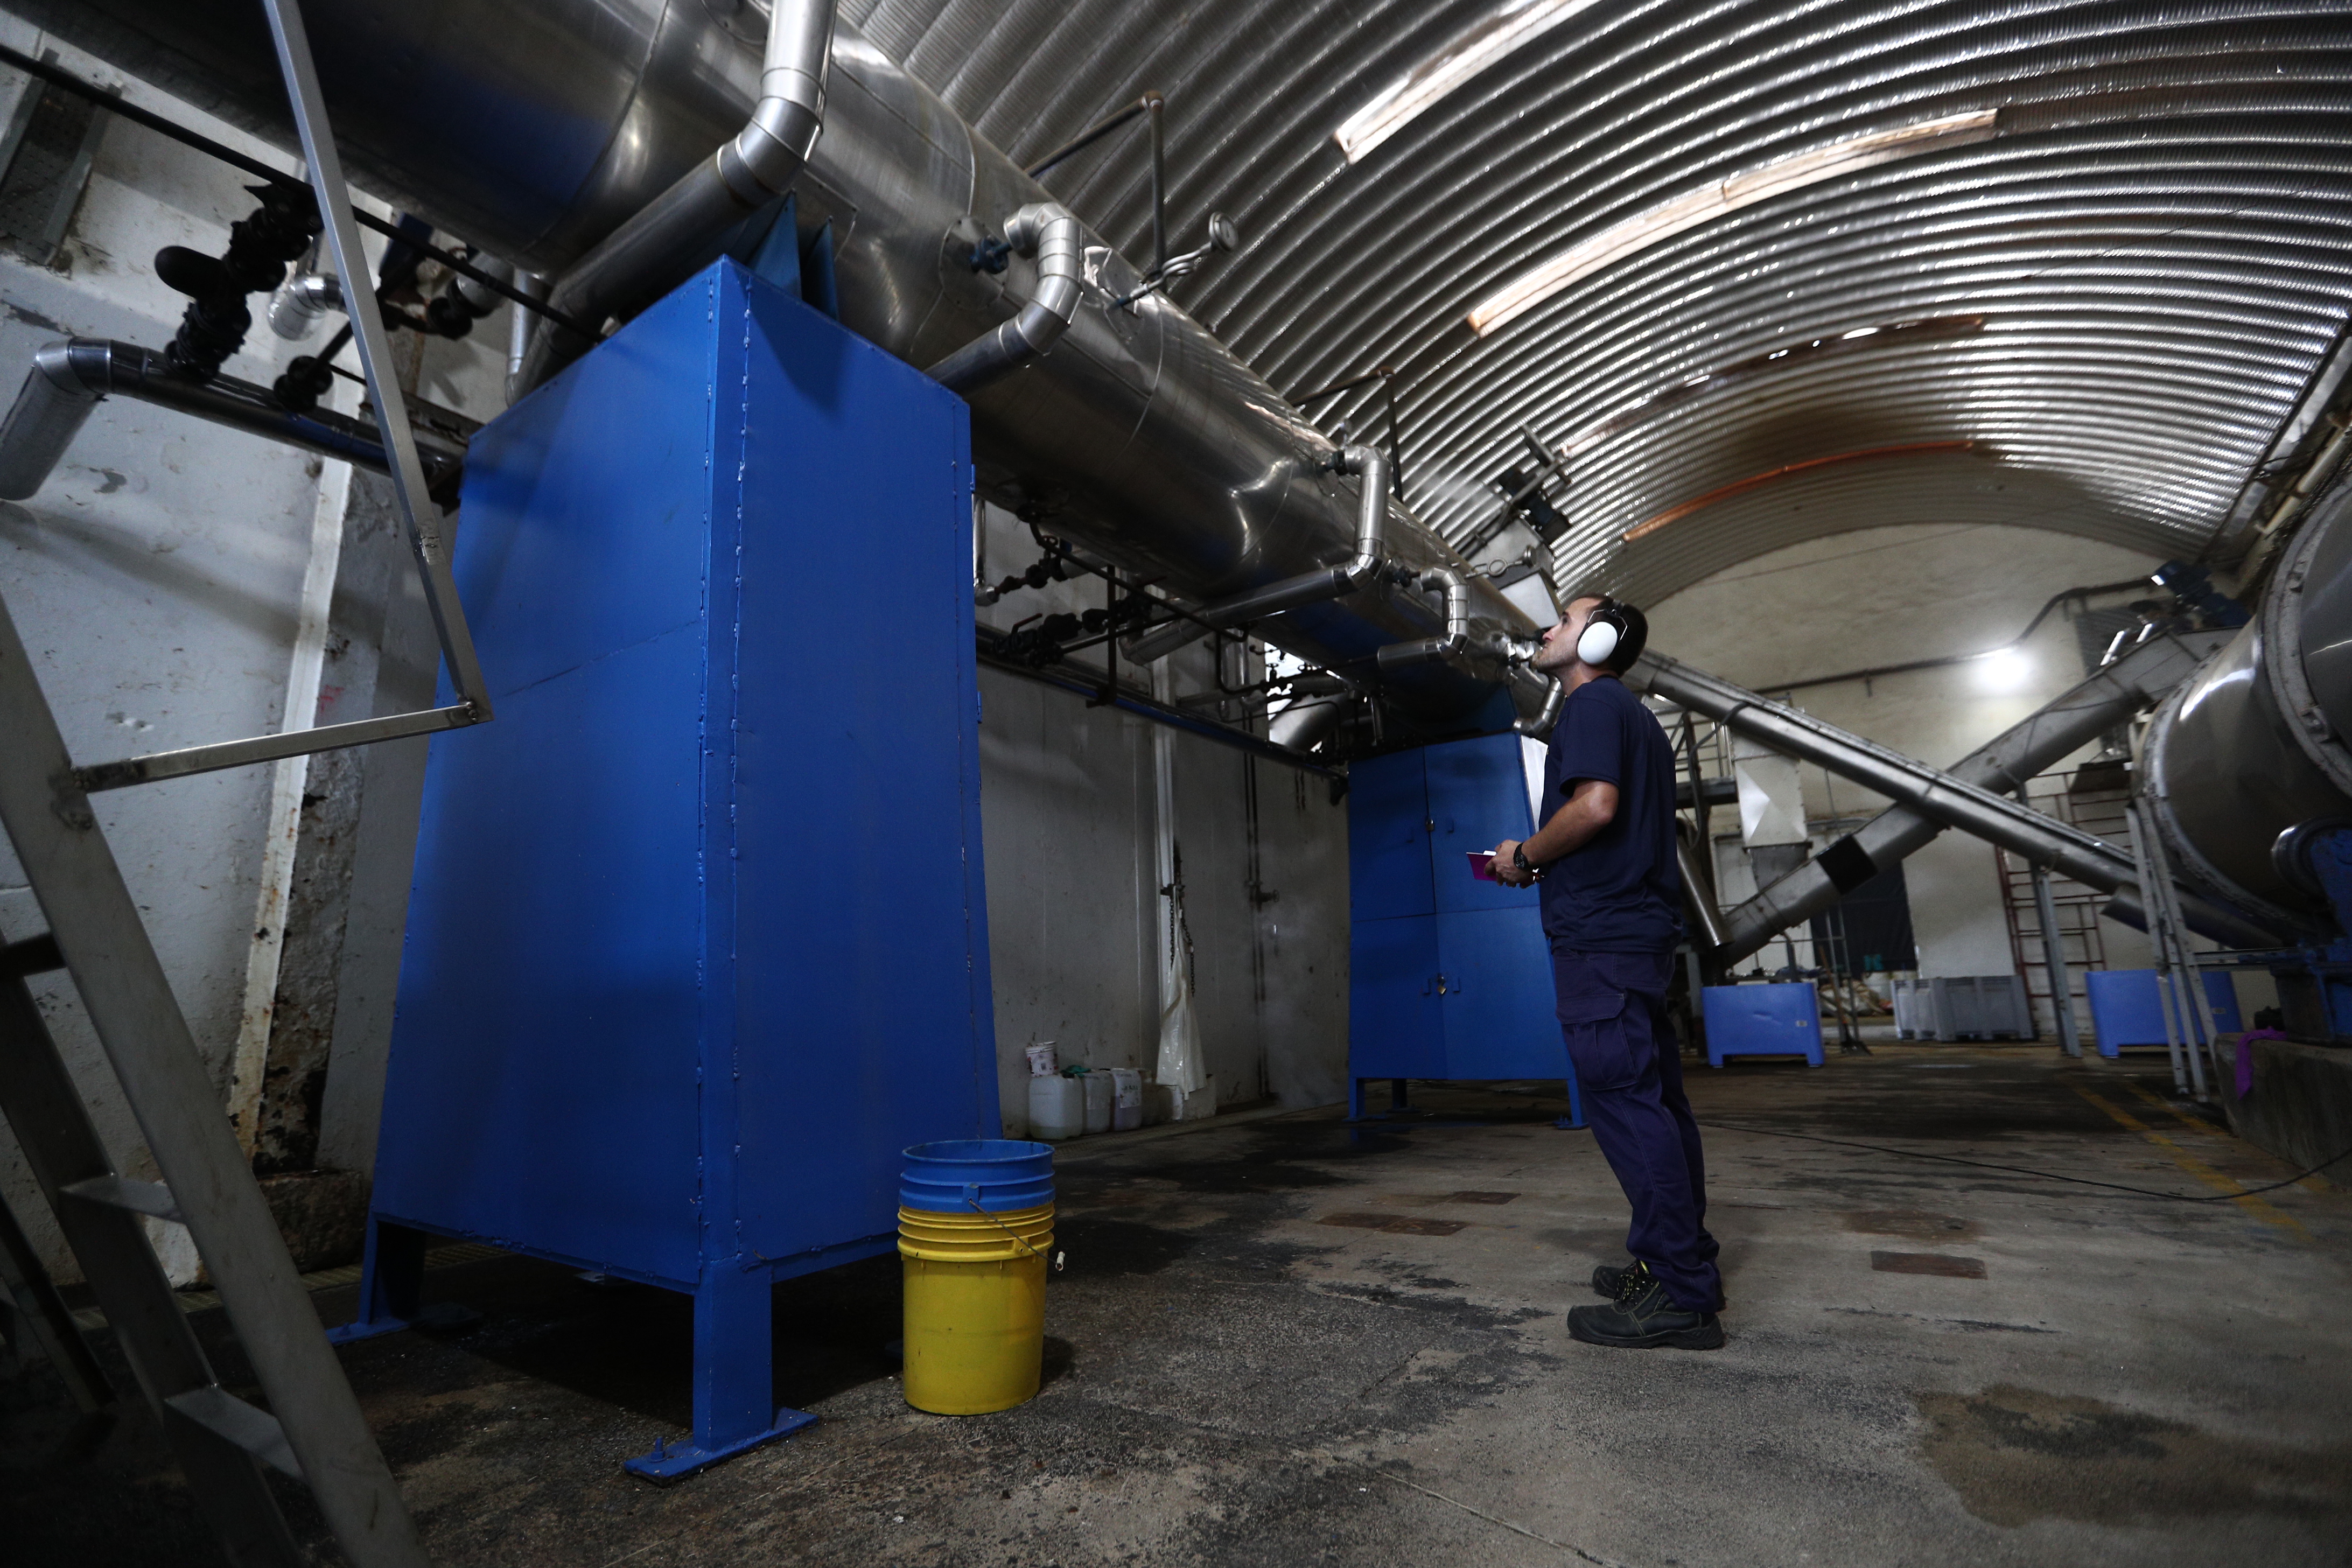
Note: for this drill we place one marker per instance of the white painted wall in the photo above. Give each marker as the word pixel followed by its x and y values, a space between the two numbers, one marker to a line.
pixel 157 580
pixel 1067 805
pixel 1890 595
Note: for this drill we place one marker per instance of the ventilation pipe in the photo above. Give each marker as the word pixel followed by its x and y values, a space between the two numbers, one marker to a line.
pixel 69 379
pixel 1370 466
pixel 1932 793
pixel 634 264
pixel 2109 697
pixel 1059 242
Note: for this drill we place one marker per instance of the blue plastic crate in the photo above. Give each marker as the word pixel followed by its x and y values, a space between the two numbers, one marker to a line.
pixel 2127 1006
pixel 1762 1021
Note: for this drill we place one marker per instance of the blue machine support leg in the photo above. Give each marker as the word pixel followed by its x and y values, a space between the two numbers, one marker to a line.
pixel 1574 1119
pixel 734 1377
pixel 392 1280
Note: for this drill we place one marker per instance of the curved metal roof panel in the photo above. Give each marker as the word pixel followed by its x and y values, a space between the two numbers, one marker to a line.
pixel 2157 235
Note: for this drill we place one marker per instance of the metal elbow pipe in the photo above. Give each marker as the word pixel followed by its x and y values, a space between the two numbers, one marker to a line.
pixel 1398 656
pixel 634 264
pixel 49 412
pixel 300 302
pixel 1047 232
pixel 1539 723
pixel 1371 465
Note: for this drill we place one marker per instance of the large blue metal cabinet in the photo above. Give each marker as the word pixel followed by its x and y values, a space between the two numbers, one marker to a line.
pixel 698 941
pixel 1450 977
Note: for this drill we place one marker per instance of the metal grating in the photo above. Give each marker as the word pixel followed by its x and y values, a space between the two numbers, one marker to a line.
pixel 2159 237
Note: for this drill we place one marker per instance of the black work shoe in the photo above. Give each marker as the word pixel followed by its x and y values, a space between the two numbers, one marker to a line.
pixel 1642 1316
pixel 1609 1279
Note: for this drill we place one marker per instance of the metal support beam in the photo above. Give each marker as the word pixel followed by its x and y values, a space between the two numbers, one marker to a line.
pixel 2054 958
pixel 1932 799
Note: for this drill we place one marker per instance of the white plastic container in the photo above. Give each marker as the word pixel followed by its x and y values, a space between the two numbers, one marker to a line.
pixel 1126 1099
pixel 1041 1061
pixel 1057 1109
pixel 1097 1087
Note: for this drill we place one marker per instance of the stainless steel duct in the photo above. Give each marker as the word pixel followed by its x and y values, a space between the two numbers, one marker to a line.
pixel 2109 697
pixel 1931 792
pixel 667 238
pixel 69 379
pixel 533 128
pixel 2254 747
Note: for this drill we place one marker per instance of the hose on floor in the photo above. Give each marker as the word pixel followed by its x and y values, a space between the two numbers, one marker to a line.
pixel 2025 1171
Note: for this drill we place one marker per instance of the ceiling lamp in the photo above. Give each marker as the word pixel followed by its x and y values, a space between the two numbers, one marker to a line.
pixel 1620 240
pixel 1465 56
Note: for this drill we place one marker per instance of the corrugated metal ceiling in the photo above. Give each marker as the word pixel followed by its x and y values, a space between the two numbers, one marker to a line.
pixel 2159 241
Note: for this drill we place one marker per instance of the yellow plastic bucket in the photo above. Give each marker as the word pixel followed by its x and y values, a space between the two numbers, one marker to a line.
pixel 975 1295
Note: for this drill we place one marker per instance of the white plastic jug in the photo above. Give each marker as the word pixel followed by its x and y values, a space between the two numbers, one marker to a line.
pixel 1125 1099
pixel 1098 1088
pixel 1057 1109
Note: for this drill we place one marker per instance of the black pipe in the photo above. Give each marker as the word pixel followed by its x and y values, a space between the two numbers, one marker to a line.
pixel 1080 681
pixel 255 166
pixel 69 379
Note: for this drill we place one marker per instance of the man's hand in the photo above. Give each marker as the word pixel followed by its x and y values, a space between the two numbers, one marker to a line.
pixel 1507 869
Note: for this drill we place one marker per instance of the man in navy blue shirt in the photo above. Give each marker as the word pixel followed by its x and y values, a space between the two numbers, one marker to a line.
pixel 1611 901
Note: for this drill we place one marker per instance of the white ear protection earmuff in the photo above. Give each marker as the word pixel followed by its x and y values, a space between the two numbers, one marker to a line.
pixel 1603 632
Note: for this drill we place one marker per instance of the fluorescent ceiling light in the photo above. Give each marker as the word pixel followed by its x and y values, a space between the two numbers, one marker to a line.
pixel 1513 25
pixel 1614 244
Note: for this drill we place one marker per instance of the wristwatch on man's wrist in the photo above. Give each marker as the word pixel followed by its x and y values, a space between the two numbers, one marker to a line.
pixel 1519 858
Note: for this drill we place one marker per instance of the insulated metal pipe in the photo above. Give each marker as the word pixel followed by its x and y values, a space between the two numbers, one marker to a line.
pixel 643 258
pixel 1456 637
pixel 69 379
pixel 1045 231
pixel 2107 698
pixel 535 128
pixel 1370 466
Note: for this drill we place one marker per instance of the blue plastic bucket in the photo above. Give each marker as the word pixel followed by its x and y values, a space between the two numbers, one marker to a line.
pixel 994 1174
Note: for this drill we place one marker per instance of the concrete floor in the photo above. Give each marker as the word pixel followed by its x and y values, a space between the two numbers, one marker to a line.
pixel 1291 1341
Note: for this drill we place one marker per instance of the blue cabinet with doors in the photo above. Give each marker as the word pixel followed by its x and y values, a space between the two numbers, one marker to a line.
pixel 1450 977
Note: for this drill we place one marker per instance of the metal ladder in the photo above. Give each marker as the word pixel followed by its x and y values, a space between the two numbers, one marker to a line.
pixel 313 1429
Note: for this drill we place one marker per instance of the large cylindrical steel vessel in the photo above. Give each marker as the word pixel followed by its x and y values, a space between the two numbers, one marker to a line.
pixel 532 127
pixel 2255 744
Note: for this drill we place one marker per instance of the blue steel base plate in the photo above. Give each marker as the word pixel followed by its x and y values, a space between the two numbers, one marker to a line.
pixel 666 1463
pixel 450 1317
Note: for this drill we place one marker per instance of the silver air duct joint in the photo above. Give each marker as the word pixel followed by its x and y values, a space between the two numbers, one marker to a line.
pixel 654 249
pixel 1048 233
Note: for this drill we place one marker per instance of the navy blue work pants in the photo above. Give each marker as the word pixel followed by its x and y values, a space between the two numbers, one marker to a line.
pixel 1612 1014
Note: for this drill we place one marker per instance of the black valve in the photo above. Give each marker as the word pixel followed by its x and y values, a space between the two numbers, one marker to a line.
pixel 305 382
pixel 259 248
pixel 991 254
